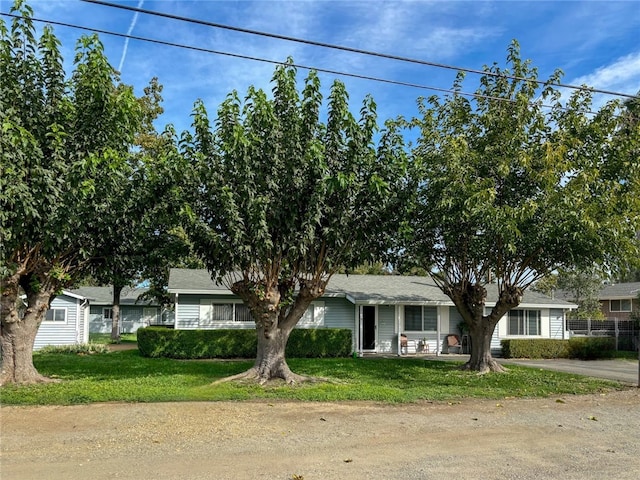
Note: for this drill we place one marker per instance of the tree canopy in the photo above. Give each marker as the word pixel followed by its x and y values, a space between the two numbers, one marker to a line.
pixel 64 144
pixel 511 190
pixel 281 200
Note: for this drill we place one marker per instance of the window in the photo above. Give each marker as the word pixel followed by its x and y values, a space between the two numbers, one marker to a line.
pixel 420 319
pixel 56 315
pixel 224 312
pixel 620 305
pixel 524 322
pixel 107 314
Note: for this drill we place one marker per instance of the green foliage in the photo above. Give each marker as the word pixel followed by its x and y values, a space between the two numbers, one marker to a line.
pixel 283 198
pixel 77 348
pixel 591 348
pixel 535 348
pixel 582 348
pixel 511 190
pixel 128 377
pixel 192 344
pixel 583 287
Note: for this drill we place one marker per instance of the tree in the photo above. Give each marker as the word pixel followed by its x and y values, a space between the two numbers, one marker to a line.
pixel 64 143
pixel 583 287
pixel 511 191
pixel 281 201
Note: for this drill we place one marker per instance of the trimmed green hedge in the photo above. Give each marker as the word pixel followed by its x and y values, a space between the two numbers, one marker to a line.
pixel 194 344
pixel 535 348
pixel 583 348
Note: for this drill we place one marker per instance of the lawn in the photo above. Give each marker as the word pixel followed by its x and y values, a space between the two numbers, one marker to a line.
pixel 125 376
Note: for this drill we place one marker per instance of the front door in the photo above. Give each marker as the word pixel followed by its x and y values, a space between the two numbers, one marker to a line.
pixel 368 322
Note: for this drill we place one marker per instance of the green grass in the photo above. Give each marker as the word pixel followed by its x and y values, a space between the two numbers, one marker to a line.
pixel 127 377
pixel 105 338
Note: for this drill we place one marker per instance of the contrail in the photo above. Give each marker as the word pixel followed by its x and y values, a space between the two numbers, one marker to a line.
pixel 126 40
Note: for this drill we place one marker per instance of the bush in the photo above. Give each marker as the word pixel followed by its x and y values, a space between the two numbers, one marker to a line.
pixel 582 348
pixel 535 348
pixel 592 348
pixel 76 348
pixel 193 344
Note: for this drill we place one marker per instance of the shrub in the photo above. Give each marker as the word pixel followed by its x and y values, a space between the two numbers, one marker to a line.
pixel 591 348
pixel 535 348
pixel 191 344
pixel 76 348
pixel 583 348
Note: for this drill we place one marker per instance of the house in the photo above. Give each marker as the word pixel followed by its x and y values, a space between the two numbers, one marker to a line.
pixel 619 300
pixel 376 308
pixel 133 313
pixel 65 323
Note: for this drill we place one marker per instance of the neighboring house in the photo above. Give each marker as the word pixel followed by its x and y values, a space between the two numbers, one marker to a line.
pixel 619 300
pixel 133 314
pixel 65 323
pixel 376 308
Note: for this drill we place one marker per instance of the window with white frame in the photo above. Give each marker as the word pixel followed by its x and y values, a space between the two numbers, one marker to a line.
pixel 420 319
pixel 107 314
pixel 524 322
pixel 56 315
pixel 219 312
pixel 623 305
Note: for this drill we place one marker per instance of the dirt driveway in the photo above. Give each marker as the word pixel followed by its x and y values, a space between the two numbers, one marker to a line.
pixel 584 437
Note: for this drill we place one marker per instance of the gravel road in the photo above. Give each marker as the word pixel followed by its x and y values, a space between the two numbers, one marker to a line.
pixel 581 437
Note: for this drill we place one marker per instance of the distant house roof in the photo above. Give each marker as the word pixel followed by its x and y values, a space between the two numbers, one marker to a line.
pixel 373 289
pixel 104 295
pixel 619 291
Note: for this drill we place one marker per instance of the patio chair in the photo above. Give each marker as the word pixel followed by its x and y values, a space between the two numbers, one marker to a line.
pixel 453 343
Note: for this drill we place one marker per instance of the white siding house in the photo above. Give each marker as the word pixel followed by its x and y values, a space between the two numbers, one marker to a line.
pixel 133 313
pixel 66 322
pixel 377 309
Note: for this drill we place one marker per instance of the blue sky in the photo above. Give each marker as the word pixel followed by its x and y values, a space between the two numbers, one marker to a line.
pixel 593 42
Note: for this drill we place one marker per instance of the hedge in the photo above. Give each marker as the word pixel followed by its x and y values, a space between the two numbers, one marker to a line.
pixel 535 348
pixel 583 348
pixel 195 344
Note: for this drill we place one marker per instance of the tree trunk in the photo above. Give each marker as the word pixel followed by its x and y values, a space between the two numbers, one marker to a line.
pixel 481 359
pixel 274 324
pixel 270 357
pixel 18 333
pixel 115 313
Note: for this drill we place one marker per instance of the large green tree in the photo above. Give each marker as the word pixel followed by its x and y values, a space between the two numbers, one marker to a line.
pixel 64 144
pixel 512 190
pixel 281 200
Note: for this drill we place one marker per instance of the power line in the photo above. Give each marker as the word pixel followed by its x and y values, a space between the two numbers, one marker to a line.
pixel 263 60
pixel 350 49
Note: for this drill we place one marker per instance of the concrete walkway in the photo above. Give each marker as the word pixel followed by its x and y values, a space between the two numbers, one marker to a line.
pixel 621 370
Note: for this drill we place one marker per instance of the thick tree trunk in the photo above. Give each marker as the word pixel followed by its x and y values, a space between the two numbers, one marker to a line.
pixel 115 313
pixel 481 359
pixel 274 324
pixel 18 333
pixel 270 357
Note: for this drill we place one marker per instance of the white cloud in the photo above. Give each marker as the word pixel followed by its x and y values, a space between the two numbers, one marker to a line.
pixel 623 75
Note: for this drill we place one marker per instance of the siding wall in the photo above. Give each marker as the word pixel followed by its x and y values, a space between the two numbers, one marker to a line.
pixel 61 333
pixel 556 324
pixel 131 318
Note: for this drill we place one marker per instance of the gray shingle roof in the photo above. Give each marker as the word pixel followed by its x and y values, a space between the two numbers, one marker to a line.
pixel 389 289
pixel 619 291
pixel 104 295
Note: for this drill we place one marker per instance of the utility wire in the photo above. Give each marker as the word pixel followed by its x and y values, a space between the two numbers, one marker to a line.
pixel 273 62
pixel 350 49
